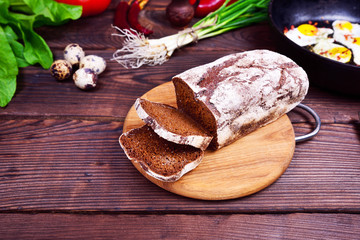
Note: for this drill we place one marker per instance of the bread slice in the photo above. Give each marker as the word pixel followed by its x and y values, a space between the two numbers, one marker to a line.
pixel 161 159
pixel 240 93
pixel 172 124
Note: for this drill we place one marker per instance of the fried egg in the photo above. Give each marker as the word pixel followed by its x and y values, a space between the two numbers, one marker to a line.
pixel 337 52
pixel 348 34
pixel 307 34
pixel 346 27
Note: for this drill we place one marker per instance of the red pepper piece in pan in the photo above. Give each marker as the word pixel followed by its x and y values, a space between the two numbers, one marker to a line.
pixel 132 18
pixel 120 19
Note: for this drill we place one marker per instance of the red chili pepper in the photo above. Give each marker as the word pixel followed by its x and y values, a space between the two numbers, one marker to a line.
pixel 207 6
pixel 120 19
pixel 132 18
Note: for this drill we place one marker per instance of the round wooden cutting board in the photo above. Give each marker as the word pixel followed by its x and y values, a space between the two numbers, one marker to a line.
pixel 242 168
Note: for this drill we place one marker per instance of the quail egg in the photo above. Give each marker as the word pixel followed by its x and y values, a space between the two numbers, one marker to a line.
pixel 61 69
pixel 73 53
pixel 96 63
pixel 85 78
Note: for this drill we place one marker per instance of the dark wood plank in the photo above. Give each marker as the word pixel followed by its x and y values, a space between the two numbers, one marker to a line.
pixel 66 164
pixel 64 175
pixel 39 95
pixel 332 107
pixel 118 88
pixel 128 226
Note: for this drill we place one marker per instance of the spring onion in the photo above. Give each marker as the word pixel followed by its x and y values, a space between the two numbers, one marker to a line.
pixel 138 50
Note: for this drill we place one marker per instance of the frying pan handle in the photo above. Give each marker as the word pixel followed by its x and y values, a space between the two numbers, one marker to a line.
pixel 317 122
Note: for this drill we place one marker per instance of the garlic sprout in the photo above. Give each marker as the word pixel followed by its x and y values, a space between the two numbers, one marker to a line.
pixel 139 50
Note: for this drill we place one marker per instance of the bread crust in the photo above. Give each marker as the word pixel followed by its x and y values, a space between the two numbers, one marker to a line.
pixel 244 91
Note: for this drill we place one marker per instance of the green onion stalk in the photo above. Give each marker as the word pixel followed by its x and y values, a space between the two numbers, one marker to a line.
pixel 138 50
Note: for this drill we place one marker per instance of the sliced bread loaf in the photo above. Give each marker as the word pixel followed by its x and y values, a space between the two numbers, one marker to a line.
pixel 172 124
pixel 240 93
pixel 229 97
pixel 161 159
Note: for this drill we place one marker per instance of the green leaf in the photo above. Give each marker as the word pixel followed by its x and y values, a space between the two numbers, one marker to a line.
pixel 17 47
pixel 36 49
pixel 8 70
pixel 20 45
pixel 46 12
pixel 4 5
pixel 228 17
pixel 20 6
pixel 49 12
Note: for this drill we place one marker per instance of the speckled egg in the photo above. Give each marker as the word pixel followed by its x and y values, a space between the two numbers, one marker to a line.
pixel 85 78
pixel 96 63
pixel 61 69
pixel 73 53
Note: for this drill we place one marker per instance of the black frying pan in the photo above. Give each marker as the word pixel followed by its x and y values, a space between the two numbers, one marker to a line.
pixel 326 73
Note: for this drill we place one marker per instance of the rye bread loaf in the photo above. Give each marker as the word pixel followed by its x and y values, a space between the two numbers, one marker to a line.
pixel 240 93
pixel 172 124
pixel 159 158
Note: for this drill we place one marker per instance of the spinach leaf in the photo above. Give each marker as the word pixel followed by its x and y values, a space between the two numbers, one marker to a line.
pixel 17 47
pixel 49 12
pixel 20 45
pixel 8 70
pixel 35 48
pixel 45 12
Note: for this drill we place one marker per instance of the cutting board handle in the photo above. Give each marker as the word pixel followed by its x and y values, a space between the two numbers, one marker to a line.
pixel 317 123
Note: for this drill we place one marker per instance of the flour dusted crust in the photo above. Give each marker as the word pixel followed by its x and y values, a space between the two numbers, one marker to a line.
pixel 242 91
pixel 198 140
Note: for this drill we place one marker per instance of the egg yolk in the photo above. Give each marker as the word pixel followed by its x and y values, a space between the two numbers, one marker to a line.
pixel 344 26
pixel 340 53
pixel 308 29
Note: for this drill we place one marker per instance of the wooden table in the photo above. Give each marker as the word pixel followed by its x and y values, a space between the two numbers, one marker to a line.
pixel 63 174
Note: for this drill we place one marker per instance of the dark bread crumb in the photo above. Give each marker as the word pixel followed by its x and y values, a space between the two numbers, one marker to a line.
pixel 157 154
pixel 172 119
pixel 195 109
